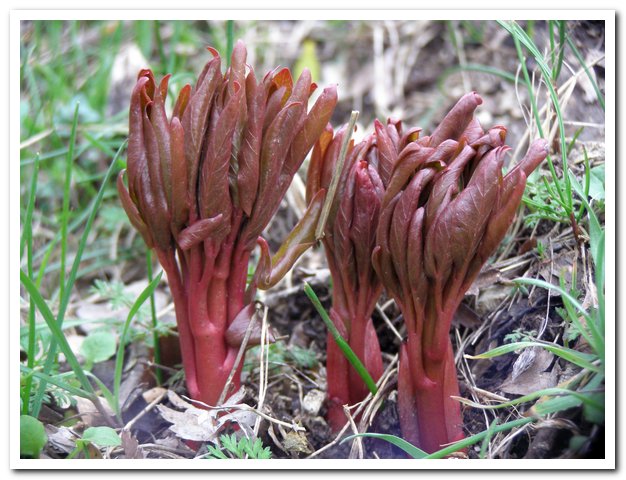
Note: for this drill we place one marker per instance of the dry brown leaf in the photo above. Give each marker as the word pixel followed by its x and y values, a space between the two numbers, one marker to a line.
pixel 530 374
pixel 131 446
pixel 200 424
pixel 61 439
pixel 312 401
pixel 90 415
pixel 296 442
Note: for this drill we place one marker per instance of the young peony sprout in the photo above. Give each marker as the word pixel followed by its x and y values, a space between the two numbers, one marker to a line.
pixel 203 185
pixel 446 208
pixel 349 239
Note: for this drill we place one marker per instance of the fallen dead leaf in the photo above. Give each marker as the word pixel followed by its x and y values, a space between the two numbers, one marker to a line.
pixel 312 401
pixel 131 446
pixel 529 373
pixel 296 442
pixel 61 439
pixel 90 415
pixel 204 424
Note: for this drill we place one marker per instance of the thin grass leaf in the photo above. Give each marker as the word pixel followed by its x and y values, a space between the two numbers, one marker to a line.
pixel 119 359
pixel 469 441
pixel 106 393
pixel 30 362
pixel 55 380
pixel 572 143
pixel 65 212
pixel 474 67
pixel 95 141
pixel 559 63
pixel 592 334
pixel 552 42
pixel 592 79
pixel 519 35
pixel 595 229
pixel 599 277
pixel 64 301
pixel 32 195
pixel 546 392
pixel 343 345
pixel 155 323
pixel 583 360
pixel 546 406
pixel 230 40
pixel 535 110
pixel 61 341
pixel 408 448
pixel 455 447
pixel 488 437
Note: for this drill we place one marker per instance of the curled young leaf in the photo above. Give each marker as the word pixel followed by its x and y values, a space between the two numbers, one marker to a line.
pixel 200 231
pixel 300 239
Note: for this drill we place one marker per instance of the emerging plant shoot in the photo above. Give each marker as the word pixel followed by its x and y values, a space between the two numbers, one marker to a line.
pixel 202 186
pixel 446 208
pixel 349 239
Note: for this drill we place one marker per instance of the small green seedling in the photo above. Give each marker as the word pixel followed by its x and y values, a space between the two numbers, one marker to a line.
pixel 32 437
pixel 98 436
pixel 97 347
pixel 242 448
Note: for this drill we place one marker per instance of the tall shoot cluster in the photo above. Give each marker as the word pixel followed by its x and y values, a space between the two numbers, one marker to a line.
pixel 444 212
pixel 417 216
pixel 349 239
pixel 204 184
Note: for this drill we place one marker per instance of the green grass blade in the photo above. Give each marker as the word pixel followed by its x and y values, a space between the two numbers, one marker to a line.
pixel 155 334
pixel 56 380
pixel 28 217
pixel 407 447
pixel 106 393
pixel 519 35
pixel 535 111
pixel 592 79
pixel 341 343
pixel 599 277
pixel 490 432
pixel 583 360
pixel 119 359
pixel 56 331
pixel 592 334
pixel 27 240
pixel 579 397
pixel 230 40
pixel 552 42
pixel 560 403
pixel 475 67
pixel 455 447
pixel 64 301
pixel 469 441
pixel 595 229
pixel 65 212
pixel 559 63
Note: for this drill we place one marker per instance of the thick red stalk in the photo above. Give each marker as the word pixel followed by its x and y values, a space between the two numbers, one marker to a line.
pixel 429 417
pixel 185 335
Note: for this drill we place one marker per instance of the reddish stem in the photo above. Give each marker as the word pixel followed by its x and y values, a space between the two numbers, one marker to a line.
pixel 185 336
pixel 345 386
pixel 430 418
